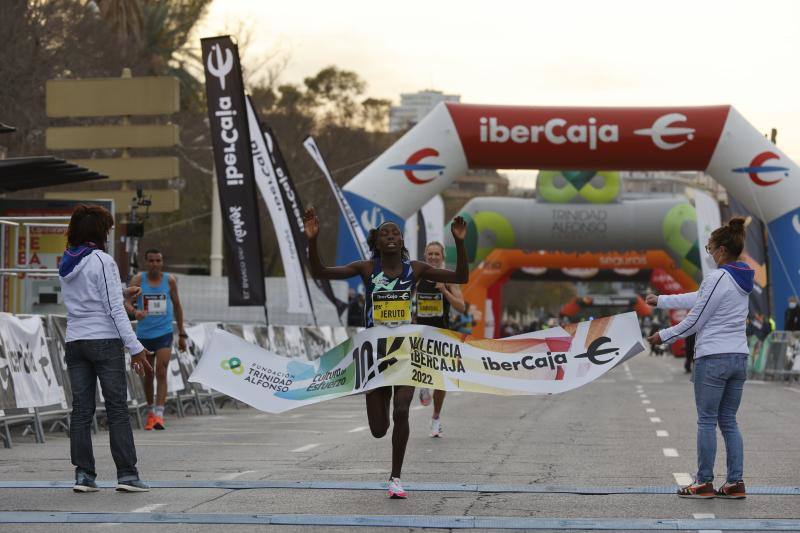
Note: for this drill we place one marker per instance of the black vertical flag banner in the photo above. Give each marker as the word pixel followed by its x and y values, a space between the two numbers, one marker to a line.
pixel 235 178
pixel 295 208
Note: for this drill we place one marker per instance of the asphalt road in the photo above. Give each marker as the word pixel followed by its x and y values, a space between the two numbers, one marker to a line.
pixel 632 431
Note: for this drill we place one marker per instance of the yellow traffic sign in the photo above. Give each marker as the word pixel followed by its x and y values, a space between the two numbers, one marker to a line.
pixel 102 97
pixel 126 136
pixel 132 168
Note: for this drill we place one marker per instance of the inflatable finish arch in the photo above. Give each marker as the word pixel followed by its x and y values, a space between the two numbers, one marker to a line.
pixel 716 139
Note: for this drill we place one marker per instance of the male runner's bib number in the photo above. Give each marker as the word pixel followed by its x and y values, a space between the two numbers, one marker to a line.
pixel 430 305
pixel 391 308
pixel 155 304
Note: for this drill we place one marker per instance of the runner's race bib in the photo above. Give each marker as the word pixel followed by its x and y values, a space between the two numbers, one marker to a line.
pixel 155 304
pixel 430 305
pixel 391 308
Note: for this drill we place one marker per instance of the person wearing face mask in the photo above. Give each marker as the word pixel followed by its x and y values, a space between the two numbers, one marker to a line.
pixel 718 316
pixel 791 321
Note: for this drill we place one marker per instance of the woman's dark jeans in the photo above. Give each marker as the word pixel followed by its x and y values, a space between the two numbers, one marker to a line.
pixel 88 360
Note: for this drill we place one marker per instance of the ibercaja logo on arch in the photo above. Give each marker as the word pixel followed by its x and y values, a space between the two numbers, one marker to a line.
pixel 421 167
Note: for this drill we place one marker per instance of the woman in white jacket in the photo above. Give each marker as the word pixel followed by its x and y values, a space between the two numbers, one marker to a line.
pixel 97 329
pixel 718 313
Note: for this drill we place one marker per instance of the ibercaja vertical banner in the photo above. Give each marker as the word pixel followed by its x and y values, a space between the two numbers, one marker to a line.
pixel 235 178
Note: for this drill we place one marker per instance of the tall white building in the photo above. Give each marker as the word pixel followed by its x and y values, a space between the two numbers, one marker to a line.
pixel 414 106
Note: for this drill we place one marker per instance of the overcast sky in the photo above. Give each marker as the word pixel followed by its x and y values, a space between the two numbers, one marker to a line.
pixel 557 52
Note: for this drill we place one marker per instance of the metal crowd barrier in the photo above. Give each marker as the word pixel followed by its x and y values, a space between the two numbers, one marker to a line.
pixel 183 397
pixel 777 357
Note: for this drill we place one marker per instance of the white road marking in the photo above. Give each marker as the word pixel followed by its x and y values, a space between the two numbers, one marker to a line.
pixel 149 508
pixel 662 433
pixel 359 428
pixel 650 410
pixel 705 516
pixel 670 452
pixel 655 420
pixel 305 448
pixel 682 478
pixel 792 389
pixel 626 367
pixel 233 475
pixel 296 416
pixel 418 407
pixel 643 396
pixel 646 402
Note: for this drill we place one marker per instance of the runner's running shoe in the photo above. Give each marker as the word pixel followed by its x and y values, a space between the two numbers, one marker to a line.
pixel 697 490
pixel 396 489
pixel 159 424
pixel 425 396
pixel 436 427
pixel 733 491
pixel 151 421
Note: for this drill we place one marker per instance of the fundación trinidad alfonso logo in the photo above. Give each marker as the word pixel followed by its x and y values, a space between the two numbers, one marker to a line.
pixel 234 364
pixel 758 167
pixel 663 127
pixel 414 164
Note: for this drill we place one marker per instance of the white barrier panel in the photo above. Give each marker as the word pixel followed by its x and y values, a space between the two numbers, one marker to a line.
pixel 25 364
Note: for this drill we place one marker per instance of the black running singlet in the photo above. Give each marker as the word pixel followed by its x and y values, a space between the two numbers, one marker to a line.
pixel 388 301
pixel 433 309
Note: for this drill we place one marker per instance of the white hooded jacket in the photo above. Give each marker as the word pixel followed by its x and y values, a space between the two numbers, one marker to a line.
pixel 92 293
pixel 718 312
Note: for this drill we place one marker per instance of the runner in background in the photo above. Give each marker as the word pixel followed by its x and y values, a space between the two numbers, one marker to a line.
pixel 433 309
pixel 156 306
pixel 389 279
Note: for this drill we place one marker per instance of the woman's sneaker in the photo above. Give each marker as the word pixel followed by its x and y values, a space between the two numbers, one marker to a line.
pixel 732 491
pixel 425 396
pixel 133 485
pixel 697 490
pixel 396 489
pixel 84 484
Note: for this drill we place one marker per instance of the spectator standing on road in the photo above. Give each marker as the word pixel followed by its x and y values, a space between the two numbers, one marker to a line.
pixel 791 320
pixel 718 313
pixel 158 303
pixel 97 330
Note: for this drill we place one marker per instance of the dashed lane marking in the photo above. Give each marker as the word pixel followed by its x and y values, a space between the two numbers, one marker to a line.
pixel 655 420
pixel 358 429
pixel 650 410
pixel 233 475
pixel 682 478
pixel 305 448
pixel 645 402
pixel 662 433
pixel 670 452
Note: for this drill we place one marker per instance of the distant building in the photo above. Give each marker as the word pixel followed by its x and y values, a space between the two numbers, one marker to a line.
pixel 414 106
pixel 471 185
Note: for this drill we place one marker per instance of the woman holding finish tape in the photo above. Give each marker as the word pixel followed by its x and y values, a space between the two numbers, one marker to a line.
pixel 718 313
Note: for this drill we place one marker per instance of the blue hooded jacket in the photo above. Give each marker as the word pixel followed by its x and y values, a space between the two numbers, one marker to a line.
pixel 742 274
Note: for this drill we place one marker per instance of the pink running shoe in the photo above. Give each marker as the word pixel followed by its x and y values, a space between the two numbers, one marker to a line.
pixel 396 489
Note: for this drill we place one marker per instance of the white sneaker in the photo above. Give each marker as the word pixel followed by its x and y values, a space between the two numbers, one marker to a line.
pixel 396 489
pixel 436 427
pixel 425 396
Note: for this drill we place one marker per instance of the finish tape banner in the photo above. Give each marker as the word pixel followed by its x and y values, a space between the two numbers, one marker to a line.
pixel 545 362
